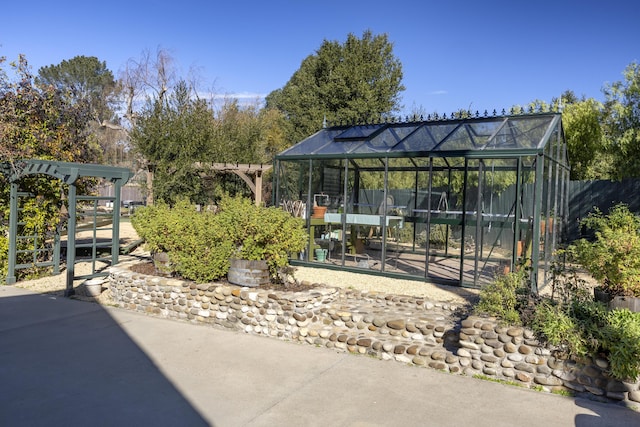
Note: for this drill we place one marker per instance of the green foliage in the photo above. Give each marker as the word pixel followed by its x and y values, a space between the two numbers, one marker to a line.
pixel 581 326
pixel 180 135
pixel 38 123
pixel 558 328
pixel 613 258
pixel 83 79
pixel 588 328
pixel 622 123
pixel 258 232
pixel 4 252
pixel 623 343
pixel 502 297
pixel 200 244
pixel 197 249
pixel 359 79
pixel 582 122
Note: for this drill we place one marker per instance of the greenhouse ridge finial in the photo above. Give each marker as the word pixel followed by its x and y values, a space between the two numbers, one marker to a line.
pixel 385 119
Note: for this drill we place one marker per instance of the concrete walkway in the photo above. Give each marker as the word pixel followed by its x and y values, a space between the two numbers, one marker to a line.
pixel 72 363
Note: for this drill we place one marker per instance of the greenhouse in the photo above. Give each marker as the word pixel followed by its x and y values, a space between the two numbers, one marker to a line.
pixel 450 201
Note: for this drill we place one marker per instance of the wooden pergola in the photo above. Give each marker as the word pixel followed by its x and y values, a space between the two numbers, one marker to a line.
pixel 250 173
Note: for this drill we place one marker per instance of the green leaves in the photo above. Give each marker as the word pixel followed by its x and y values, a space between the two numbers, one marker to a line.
pixel 200 244
pixel 613 258
pixel 176 134
pixel 500 298
pixel 38 123
pixel 358 79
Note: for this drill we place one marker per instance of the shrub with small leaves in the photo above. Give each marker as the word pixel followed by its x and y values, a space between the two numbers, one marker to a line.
pixel 501 298
pixel 613 258
pixel 201 244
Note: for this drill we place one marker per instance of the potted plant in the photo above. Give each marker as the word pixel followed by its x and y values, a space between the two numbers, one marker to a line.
pixel 260 236
pixel 613 256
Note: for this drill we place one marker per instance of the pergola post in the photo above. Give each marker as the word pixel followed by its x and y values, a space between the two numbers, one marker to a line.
pixel 13 233
pixel 71 240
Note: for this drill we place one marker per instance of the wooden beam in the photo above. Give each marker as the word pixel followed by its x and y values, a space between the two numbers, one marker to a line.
pixel 243 170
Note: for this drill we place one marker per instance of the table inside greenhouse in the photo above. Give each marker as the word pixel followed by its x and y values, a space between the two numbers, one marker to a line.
pixel 364 219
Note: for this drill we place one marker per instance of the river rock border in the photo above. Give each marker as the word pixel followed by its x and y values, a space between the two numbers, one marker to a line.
pixel 406 329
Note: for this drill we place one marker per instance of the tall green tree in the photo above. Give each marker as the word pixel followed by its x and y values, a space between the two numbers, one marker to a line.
pixel 586 149
pixel 622 122
pixel 87 81
pixel 84 79
pixel 360 79
pixel 248 134
pixel 173 133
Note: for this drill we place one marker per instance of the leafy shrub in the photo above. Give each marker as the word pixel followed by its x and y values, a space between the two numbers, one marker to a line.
pixel 623 343
pixel 260 233
pixel 613 258
pixel 200 244
pixel 559 328
pixel 4 253
pixel 501 298
pixel 197 249
pixel 584 327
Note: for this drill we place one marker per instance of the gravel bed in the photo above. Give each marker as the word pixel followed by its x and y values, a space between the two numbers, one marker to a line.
pixel 387 285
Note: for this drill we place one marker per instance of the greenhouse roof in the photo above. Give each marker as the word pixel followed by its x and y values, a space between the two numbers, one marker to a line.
pixel 478 136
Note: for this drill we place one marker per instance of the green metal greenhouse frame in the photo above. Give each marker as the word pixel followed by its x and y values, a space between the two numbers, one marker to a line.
pixel 452 201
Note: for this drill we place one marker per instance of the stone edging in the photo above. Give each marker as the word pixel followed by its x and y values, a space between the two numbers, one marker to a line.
pixel 407 329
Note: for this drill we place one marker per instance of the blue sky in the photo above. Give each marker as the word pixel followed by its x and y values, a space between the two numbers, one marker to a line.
pixel 464 54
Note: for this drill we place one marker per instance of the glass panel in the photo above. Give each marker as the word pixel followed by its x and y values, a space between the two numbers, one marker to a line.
pixel 362 132
pixel 481 132
pixel 460 139
pixel 420 140
pixel 327 185
pixel 522 132
pixel 312 144
pixel 402 255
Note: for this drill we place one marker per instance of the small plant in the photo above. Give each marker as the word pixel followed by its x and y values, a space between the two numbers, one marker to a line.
pixel 563 392
pixel 503 297
pixel 497 380
pixel 613 258
pixel 623 343
pixel 554 325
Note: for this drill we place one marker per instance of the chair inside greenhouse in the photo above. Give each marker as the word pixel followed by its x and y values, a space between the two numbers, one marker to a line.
pixel 452 201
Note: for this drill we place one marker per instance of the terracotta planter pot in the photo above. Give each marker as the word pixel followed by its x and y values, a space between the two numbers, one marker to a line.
pixel 319 211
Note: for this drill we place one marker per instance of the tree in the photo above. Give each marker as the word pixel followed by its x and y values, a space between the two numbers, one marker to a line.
pixel 38 123
pixel 355 81
pixel 150 77
pixel 248 134
pixel 88 81
pixel 585 144
pixel 172 134
pixel 84 79
pixel 622 122
pixel 182 130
